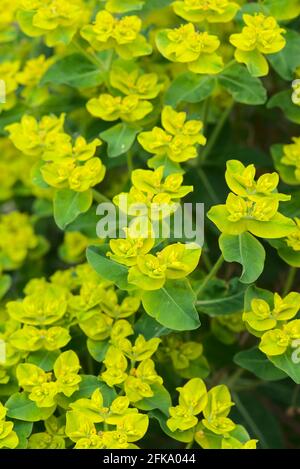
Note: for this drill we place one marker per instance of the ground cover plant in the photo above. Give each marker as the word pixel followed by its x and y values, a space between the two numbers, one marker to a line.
pixel 125 341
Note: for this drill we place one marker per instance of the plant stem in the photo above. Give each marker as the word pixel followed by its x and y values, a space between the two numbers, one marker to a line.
pixel 89 55
pixel 208 185
pixel 216 132
pixel 211 274
pixel 205 113
pixel 289 281
pixel 129 163
pixel 99 198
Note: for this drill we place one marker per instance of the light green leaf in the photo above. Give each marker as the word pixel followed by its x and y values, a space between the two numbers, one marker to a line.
pixel 74 70
pixel 243 87
pixel 43 359
pixel 287 60
pixel 160 400
pixel 119 138
pixel 20 407
pixel 69 204
pixel 5 284
pixel 285 363
pixel 173 306
pixel 97 349
pixel 107 268
pixel 247 251
pixel 191 88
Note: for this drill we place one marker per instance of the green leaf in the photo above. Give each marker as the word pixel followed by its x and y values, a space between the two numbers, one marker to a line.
pixel 74 70
pixel 107 268
pixel 23 430
pixel 243 87
pixel 170 167
pixel 283 100
pixel 5 284
pixel 287 60
pixel 285 363
pixel 247 251
pixel 97 349
pixel 160 400
pixel 255 361
pixel 229 301
pixel 43 359
pixel 149 327
pixel 287 173
pixel 20 407
pixel 183 436
pixel 88 384
pixel 289 10
pixel 173 306
pixel 253 292
pixel 69 204
pixel 86 223
pixel 198 368
pixel 191 88
pixel 119 138
pixel 258 419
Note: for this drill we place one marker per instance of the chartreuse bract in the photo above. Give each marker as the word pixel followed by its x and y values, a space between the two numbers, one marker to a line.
pixel 136 331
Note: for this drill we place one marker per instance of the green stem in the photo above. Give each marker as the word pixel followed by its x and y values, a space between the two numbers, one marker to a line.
pixel 189 445
pixel 208 186
pixel 130 163
pixel 99 198
pixel 211 275
pixel 233 378
pixel 289 281
pixel 205 113
pixel 89 55
pixel 216 132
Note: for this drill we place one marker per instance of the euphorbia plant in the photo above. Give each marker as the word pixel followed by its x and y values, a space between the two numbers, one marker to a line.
pixel 134 335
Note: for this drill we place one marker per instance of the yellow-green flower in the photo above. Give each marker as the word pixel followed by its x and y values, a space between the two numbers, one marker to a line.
pixel 213 11
pixel 261 36
pixel 57 20
pixel 196 49
pixel 111 108
pixel 177 139
pixel 123 35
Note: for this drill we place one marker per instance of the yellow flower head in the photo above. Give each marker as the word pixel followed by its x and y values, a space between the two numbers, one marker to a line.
pixel 57 20
pixel 213 11
pixel 261 35
pixel 196 49
pixel 123 35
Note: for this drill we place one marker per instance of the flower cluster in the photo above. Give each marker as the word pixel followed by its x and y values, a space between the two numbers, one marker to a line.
pixel 57 20
pixel 65 164
pixel 82 423
pixel 177 140
pixel 273 322
pixel 261 36
pixel 252 205
pixel 215 430
pixel 213 11
pixel 8 437
pixel 188 46
pixel 17 239
pixel 123 35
